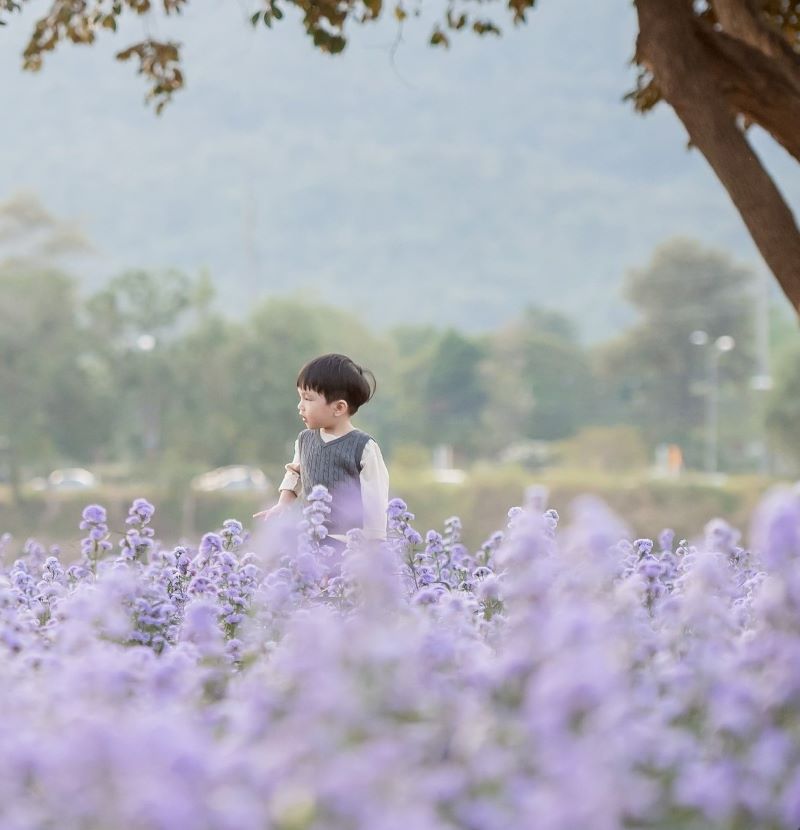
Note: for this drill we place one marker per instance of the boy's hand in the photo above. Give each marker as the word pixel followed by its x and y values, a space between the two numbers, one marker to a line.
pixel 275 510
pixel 287 498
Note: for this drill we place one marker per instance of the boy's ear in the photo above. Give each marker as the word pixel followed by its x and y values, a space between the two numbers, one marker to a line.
pixel 341 408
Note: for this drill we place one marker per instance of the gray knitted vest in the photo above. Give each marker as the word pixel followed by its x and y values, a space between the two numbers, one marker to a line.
pixel 337 465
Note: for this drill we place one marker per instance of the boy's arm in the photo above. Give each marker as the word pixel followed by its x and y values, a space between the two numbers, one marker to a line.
pixel 374 491
pixel 289 489
pixel 291 479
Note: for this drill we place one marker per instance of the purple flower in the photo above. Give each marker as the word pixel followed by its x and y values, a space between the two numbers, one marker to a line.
pixel 720 536
pixel 93 514
pixel 489 588
pixel 142 509
pixel 232 534
pixel 200 620
pixel 776 528
pixel 650 567
pixel 426 596
pixel 562 677
pixel 396 508
pixel 665 539
pixel 211 543
pixel 434 544
pixel 319 493
pixel 412 536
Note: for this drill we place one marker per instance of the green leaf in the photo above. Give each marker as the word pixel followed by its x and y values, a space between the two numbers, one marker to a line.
pixel 485 27
pixel 454 22
pixel 336 44
pixel 439 38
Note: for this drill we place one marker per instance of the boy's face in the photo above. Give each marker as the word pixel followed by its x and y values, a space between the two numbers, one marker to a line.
pixel 317 413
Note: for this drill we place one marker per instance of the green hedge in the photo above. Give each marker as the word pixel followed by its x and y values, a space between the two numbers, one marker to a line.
pixel 645 505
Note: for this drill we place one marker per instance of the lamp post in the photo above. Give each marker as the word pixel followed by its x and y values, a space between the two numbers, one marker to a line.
pixel 145 344
pixel 722 344
pixel 762 379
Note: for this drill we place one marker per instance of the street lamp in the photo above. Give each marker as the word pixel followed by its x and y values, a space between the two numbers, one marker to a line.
pixel 762 379
pixel 146 343
pixel 722 344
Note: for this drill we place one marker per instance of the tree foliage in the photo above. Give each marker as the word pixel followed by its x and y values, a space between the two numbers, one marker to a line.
pixel 684 288
pixel 325 22
pixel 77 386
pixel 453 391
pixel 46 404
pixel 30 233
pixel 541 379
pixel 783 406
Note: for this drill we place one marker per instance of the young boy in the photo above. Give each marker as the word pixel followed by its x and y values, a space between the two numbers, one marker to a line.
pixel 331 451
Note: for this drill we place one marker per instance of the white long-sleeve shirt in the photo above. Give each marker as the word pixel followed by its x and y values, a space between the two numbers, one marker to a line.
pixel 374 478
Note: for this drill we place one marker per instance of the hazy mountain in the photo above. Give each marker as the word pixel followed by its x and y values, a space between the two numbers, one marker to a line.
pixel 429 185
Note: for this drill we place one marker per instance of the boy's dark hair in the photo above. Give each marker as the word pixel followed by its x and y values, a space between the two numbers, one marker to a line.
pixel 338 378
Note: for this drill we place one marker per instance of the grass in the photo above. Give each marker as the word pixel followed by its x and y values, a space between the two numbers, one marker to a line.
pixel 645 504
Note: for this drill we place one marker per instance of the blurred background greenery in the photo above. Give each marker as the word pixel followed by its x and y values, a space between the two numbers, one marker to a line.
pixel 147 385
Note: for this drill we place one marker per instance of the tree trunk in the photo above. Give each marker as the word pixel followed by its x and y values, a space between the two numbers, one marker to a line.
pixel 754 85
pixel 676 49
pixel 741 20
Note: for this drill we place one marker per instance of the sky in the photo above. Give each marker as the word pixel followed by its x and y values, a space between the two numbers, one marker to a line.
pixel 414 186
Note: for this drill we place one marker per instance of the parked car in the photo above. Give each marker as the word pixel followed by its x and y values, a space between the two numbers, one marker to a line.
pixel 236 477
pixel 69 478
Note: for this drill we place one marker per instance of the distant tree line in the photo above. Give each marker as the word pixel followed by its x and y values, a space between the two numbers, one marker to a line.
pixel 151 369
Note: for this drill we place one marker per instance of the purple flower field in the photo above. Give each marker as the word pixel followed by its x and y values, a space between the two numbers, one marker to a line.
pixel 558 678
